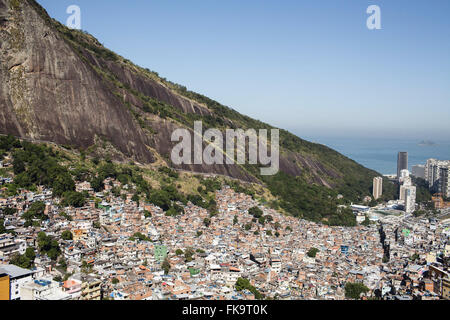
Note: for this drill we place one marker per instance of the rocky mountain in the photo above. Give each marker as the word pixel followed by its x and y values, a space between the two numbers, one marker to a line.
pixel 62 86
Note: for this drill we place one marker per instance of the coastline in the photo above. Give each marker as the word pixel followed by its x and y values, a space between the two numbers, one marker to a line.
pixel 380 154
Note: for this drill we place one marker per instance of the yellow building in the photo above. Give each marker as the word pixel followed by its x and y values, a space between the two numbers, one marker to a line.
pixel 4 287
pixel 91 290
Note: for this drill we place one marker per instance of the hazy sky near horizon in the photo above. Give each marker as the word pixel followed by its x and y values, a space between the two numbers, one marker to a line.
pixel 312 67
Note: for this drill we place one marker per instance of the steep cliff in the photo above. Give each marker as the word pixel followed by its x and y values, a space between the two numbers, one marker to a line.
pixel 62 86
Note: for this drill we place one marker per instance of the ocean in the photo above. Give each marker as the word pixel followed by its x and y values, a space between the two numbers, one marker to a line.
pixel 380 154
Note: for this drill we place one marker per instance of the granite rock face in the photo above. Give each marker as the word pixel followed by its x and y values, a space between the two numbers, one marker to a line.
pixel 63 86
pixel 48 93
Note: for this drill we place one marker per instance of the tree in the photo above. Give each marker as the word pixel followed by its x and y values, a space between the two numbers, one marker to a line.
pixel 63 183
pixel 63 264
pixel 312 252
pixel 262 220
pixel 9 211
pixel 115 281
pixel 366 222
pixel 67 235
pixel 179 252
pixel 415 257
pixel 65 215
pixel 196 200
pixel 256 212
pixel 207 222
pixel 161 199
pixel 108 170
pixel 18 165
pixel 48 246
pixel 166 266
pixel 123 178
pixel 136 199
pixel 140 236
pixel 235 220
pixel 188 255
pixel 2 226
pixel 147 214
pixel 419 213
pixel 36 211
pixel 85 267
pixel 55 251
pixel 172 212
pixel 74 199
pixel 21 261
pixel 97 184
pixel 354 290
pixel 30 254
pixel 244 284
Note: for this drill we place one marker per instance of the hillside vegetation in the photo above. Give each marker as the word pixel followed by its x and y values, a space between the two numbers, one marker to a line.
pixel 133 113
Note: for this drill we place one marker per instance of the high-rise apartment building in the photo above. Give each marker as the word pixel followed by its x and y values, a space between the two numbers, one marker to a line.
pixel 444 182
pixel 402 192
pixel 410 198
pixel 377 187
pixel 404 177
pixel 433 173
pixel 429 171
pixel 418 171
pixel 402 162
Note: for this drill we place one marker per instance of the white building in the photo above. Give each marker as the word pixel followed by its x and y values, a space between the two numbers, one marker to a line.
pixel 433 172
pixel 10 246
pixel 406 182
pixel 18 276
pixel 43 289
pixel 360 217
pixel 404 177
pixel 410 198
pixel 377 187
pixel 275 264
pixel 444 182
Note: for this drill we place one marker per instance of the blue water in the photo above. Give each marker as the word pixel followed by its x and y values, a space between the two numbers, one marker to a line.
pixel 380 154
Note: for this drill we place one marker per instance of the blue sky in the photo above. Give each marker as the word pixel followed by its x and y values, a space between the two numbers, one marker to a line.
pixel 311 67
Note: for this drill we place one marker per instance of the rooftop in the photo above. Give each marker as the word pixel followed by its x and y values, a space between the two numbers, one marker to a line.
pixel 14 271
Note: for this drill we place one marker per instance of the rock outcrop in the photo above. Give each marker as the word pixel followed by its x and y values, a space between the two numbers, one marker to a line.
pixel 62 86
